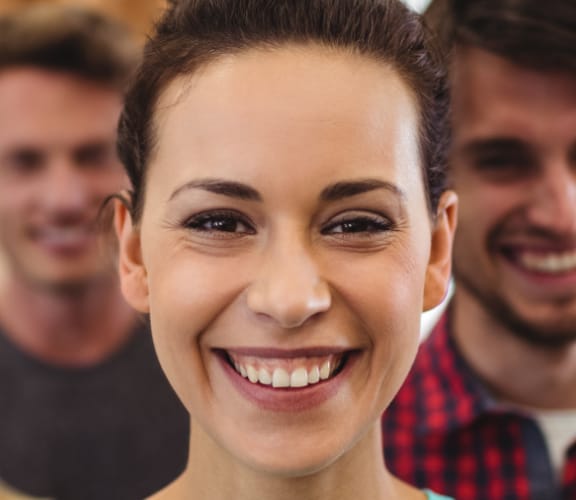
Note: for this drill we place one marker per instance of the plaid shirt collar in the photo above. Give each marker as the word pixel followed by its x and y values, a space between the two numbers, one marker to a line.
pixel 454 395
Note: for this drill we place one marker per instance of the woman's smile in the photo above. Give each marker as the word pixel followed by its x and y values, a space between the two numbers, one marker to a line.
pixel 286 368
pixel 287 381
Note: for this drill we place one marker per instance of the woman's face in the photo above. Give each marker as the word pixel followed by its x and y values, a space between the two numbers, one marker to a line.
pixel 285 251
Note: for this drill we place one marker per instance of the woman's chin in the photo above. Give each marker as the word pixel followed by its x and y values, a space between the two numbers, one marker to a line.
pixel 294 464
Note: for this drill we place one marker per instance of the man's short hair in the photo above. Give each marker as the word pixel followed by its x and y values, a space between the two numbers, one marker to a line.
pixel 68 39
pixel 538 34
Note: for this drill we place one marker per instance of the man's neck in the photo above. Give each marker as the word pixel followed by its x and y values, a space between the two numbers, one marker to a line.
pixel 513 369
pixel 70 329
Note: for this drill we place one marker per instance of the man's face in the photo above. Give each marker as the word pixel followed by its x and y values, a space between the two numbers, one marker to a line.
pixel 57 164
pixel 514 166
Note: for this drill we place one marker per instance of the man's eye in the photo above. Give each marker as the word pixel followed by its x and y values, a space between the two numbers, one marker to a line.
pixel 96 155
pixel 24 162
pixel 220 223
pixel 359 224
pixel 498 162
pixel 504 166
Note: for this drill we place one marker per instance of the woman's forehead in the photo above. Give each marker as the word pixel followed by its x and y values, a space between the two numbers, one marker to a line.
pixel 288 74
pixel 291 90
pixel 314 112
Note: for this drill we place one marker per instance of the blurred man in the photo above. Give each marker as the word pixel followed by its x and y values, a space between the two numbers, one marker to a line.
pixel 489 411
pixel 85 412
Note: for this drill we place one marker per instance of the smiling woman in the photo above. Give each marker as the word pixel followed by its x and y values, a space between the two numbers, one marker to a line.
pixel 288 224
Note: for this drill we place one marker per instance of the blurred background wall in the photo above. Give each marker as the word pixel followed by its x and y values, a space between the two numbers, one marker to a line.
pixel 138 14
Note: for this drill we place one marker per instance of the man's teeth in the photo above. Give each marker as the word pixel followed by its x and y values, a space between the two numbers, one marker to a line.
pixel 68 235
pixel 283 376
pixel 555 263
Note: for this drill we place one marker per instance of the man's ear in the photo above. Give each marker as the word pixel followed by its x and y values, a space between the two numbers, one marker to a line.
pixel 133 278
pixel 440 262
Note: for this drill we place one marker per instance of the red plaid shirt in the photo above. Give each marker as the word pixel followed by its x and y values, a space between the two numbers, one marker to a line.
pixel 445 433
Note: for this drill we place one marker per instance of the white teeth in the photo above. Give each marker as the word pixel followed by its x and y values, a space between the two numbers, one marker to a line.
pixel 314 375
pixel 68 235
pixel 252 374
pixel 299 376
pixel 550 263
pixel 280 378
pixel 264 377
pixel 325 370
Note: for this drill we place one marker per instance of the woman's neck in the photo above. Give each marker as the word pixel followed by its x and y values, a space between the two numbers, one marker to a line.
pixel 359 474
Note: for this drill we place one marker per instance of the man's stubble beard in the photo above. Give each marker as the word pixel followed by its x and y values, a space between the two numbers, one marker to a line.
pixel 102 275
pixel 555 336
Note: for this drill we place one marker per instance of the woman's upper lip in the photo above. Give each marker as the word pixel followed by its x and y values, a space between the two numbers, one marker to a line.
pixel 274 352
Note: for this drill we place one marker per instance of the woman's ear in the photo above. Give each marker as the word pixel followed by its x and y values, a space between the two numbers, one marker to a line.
pixel 440 263
pixel 133 278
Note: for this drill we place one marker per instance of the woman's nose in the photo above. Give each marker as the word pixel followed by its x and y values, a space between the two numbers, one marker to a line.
pixel 288 288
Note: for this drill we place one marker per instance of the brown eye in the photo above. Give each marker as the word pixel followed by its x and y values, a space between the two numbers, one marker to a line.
pixel 359 224
pixel 501 160
pixel 24 161
pixel 94 155
pixel 225 222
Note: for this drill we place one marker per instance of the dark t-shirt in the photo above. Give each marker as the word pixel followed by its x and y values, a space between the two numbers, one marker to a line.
pixel 115 431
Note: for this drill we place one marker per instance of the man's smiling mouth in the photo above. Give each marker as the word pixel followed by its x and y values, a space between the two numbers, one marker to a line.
pixel 73 237
pixel 549 262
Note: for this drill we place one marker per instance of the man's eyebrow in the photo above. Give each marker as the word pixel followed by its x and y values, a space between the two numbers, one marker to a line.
pixel 220 186
pixel 345 189
pixel 103 143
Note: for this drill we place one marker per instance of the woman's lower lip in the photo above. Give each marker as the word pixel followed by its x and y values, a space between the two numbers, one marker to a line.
pixel 287 399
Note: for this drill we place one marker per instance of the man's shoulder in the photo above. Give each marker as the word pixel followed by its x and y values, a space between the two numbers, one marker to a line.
pixel 435 356
pixel 440 393
pixel 46 381
pixel 12 356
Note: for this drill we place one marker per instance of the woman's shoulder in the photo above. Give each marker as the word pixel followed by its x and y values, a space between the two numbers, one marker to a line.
pixel 430 495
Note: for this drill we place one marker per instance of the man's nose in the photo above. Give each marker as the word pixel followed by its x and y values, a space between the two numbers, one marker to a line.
pixel 288 288
pixel 553 205
pixel 66 189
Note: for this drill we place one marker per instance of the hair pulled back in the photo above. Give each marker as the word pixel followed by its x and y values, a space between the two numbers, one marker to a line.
pixel 193 33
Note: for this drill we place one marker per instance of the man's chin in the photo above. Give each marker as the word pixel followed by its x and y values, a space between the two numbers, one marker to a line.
pixel 65 287
pixel 70 283
pixel 551 335
pixel 543 329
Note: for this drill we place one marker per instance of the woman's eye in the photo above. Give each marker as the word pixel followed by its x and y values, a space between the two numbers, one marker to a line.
pixel 220 223
pixel 359 224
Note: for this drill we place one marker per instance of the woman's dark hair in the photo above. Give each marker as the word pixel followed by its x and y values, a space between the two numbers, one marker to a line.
pixel 193 33
pixel 537 34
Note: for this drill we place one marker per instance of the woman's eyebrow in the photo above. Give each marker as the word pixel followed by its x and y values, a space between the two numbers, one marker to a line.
pixel 345 189
pixel 220 186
